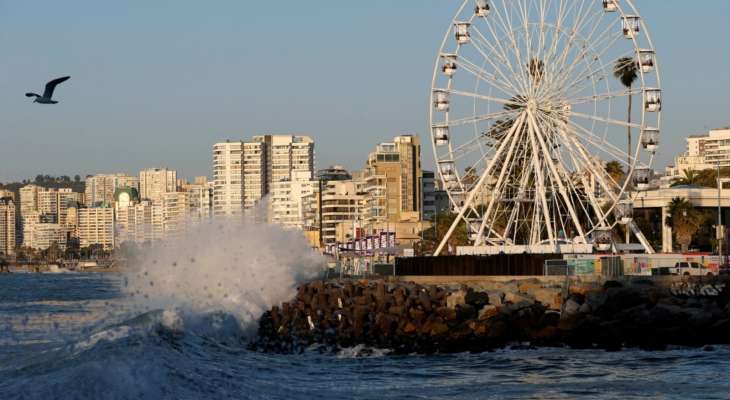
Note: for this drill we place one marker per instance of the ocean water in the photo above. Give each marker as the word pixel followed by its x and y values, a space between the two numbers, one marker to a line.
pixel 84 336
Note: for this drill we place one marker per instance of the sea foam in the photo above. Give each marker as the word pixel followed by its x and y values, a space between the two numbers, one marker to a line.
pixel 238 266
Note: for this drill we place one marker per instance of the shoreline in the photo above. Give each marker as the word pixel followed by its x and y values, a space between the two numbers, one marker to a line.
pixel 485 314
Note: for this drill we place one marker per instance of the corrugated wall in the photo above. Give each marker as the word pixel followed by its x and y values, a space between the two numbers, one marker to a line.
pixel 499 265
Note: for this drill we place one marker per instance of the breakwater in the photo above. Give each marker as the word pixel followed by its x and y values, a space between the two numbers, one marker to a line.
pixel 485 314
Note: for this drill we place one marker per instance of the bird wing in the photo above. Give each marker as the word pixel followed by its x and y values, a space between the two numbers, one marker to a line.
pixel 51 86
pixel 31 95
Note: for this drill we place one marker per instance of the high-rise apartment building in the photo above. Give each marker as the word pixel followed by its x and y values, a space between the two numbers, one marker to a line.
pixel 46 206
pixel 100 188
pixel 288 197
pixel 175 214
pixel 155 182
pixel 7 226
pixel 244 172
pixel 342 201
pixel 393 181
pixel 227 178
pixel 200 199
pixel 96 226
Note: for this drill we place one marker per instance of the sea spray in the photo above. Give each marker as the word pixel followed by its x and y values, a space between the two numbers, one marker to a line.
pixel 236 266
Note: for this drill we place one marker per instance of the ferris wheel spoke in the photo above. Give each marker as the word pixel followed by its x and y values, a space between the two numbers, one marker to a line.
pixel 609 186
pixel 482 118
pixel 566 72
pixel 606 120
pixel 604 146
pixel 588 73
pixel 605 96
pixel 505 85
pixel 575 193
pixel 559 62
pixel 470 198
pixel 580 82
pixel 481 40
pixel 555 174
pixel 483 97
pixel 507 163
pixel 510 31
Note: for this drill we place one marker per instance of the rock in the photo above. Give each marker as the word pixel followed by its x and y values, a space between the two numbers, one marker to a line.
pixel 478 328
pixel 488 312
pixel 417 314
pixel 514 298
pixel 476 299
pixel 571 307
pixel 456 298
pixel 397 310
pixel 425 300
pixel 410 328
pixel 580 289
pixel 595 299
pixel 529 287
pixel 612 284
pixel 448 314
pixel 550 298
pixel 465 311
pixel 439 328
pixel 495 297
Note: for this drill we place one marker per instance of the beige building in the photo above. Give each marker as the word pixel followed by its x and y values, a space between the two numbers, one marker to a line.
pixel 342 202
pixel 703 152
pixel 7 225
pixel 200 199
pixel 96 226
pixel 175 214
pixel 43 205
pixel 393 180
pixel 155 182
pixel 40 234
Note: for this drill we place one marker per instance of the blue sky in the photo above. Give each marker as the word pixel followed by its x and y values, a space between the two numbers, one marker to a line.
pixel 156 83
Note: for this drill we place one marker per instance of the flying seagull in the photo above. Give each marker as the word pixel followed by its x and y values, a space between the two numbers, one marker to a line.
pixel 48 94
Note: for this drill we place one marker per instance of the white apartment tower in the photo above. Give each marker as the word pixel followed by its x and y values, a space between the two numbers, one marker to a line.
pixel 244 172
pixel 96 226
pixel 227 180
pixel 155 182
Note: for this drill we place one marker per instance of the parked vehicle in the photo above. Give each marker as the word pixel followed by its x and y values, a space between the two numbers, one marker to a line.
pixel 687 268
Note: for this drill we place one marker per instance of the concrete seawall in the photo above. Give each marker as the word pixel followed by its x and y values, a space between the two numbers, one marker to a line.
pixel 455 314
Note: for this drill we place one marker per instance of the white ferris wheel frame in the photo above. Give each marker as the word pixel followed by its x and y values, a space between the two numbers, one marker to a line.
pixel 532 124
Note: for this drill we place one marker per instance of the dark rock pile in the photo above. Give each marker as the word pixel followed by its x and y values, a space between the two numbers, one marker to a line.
pixel 412 318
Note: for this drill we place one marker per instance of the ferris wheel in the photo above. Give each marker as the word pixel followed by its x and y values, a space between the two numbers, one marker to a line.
pixel 530 101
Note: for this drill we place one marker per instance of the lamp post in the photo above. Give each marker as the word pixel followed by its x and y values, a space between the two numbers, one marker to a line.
pixel 720 229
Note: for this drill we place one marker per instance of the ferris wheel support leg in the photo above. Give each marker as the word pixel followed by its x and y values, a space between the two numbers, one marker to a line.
pixel 642 239
pixel 480 183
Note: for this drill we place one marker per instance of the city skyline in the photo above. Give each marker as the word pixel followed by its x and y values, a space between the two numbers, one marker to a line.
pixel 341 93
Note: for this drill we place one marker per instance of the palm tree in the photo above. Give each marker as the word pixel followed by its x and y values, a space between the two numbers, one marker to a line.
pixel 615 171
pixel 685 220
pixel 626 70
pixel 690 178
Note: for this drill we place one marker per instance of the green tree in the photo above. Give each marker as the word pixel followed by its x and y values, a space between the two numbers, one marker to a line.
pixel 432 236
pixel 626 70
pixel 615 171
pixel 685 220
